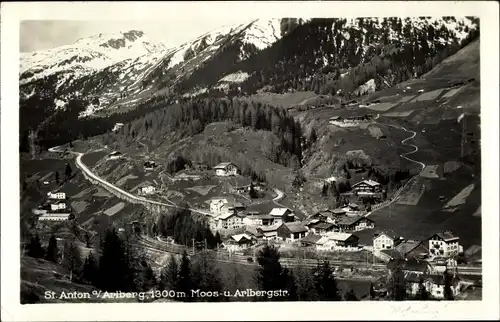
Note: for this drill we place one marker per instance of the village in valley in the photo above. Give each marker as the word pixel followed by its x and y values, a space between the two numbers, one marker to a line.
pixel 247 214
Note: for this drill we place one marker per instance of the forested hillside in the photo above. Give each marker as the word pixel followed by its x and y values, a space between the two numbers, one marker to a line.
pixel 328 55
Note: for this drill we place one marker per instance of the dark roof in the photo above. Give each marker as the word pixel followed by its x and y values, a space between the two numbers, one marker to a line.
pixel 254 231
pixel 296 227
pixel 260 216
pixel 311 238
pixel 446 236
pixel 338 211
pixel 322 225
pixel 392 253
pixel 409 264
pixel 350 220
pixel 390 233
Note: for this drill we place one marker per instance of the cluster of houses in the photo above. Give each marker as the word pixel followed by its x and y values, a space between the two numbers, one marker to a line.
pixel 56 208
pixel 326 230
pixel 352 119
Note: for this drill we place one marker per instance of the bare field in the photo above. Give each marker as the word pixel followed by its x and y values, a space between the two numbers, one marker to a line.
pixel 432 95
pixel 398 114
pixel 287 99
pixel 382 107
pixel 460 198
pixel 430 172
pixel 202 190
pixel 122 181
pixel 79 206
pixel 116 208
pixel 413 196
pixel 451 92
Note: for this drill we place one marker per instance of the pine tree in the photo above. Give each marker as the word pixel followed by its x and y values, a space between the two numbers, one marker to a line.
pixel 325 283
pixel 185 278
pixel 350 296
pixel 422 294
pixel 169 275
pixel 34 247
pixel 448 281
pixel 68 171
pixel 206 276
pixel 313 136
pixel 71 258
pixel 115 274
pixel 324 190
pixel 90 271
pixel 147 278
pixel 306 289
pixel 52 253
pixel 87 240
pixel 269 274
pixel 373 294
pixel 57 176
pixel 397 287
pixel 252 193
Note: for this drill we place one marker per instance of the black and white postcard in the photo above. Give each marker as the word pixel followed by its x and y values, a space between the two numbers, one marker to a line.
pixel 231 154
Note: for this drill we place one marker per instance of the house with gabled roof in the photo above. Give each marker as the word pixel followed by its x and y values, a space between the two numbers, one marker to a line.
pixel 292 231
pixel 367 187
pixel 269 232
pixel 258 220
pixel 321 227
pixel 337 241
pixel 355 223
pixel 225 169
pixel 238 242
pixel 384 240
pixel 444 244
pixel 434 284
pixel 310 240
pixel 282 215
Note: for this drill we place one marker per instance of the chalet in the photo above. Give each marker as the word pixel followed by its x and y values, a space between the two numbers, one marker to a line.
pixel 444 244
pixel 385 240
pixel 337 241
pixel 253 232
pixel 403 250
pixel 355 223
pixel 117 127
pixel 238 242
pixel 235 207
pixel 58 205
pixel 228 220
pixel 269 232
pixel 186 177
pixel 350 208
pixel 282 215
pixel 367 187
pixel 199 166
pixel 56 195
pixel 245 188
pixel 325 215
pixel 225 169
pixel 321 227
pixel 292 231
pixel 258 220
pixel 147 190
pixel 57 216
pixel 150 165
pixel 217 205
pixel 434 284
pixel 310 240
pixel 115 155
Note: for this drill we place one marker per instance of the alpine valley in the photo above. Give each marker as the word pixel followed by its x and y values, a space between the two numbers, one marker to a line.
pixel 361 129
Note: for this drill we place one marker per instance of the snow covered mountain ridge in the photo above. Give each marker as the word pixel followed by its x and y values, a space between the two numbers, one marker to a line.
pixel 88 54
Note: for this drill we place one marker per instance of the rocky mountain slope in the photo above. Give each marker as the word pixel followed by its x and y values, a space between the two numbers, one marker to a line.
pixel 340 57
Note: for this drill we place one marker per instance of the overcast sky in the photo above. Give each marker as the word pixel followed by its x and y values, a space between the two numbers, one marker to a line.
pixel 43 34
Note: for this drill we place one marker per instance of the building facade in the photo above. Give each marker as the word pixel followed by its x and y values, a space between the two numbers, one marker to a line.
pixel 225 169
pixel 444 244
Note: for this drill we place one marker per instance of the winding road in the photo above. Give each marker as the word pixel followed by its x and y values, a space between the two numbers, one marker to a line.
pixel 395 197
pixel 120 192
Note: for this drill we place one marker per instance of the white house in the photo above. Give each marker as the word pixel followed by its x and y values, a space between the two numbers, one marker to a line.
pixel 228 220
pixel 58 205
pixel 238 242
pixel 444 244
pixel 147 190
pixel 217 206
pixel 291 231
pixel 59 216
pixel 337 241
pixel 385 240
pixel 269 232
pixel 258 220
pixel 434 284
pixel 282 215
pixel 114 155
pixel 56 195
pixel 117 127
pixel 225 169
pixel 367 187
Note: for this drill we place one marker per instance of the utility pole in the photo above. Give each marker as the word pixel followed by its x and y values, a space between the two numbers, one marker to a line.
pixel 193 245
pixel 205 244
